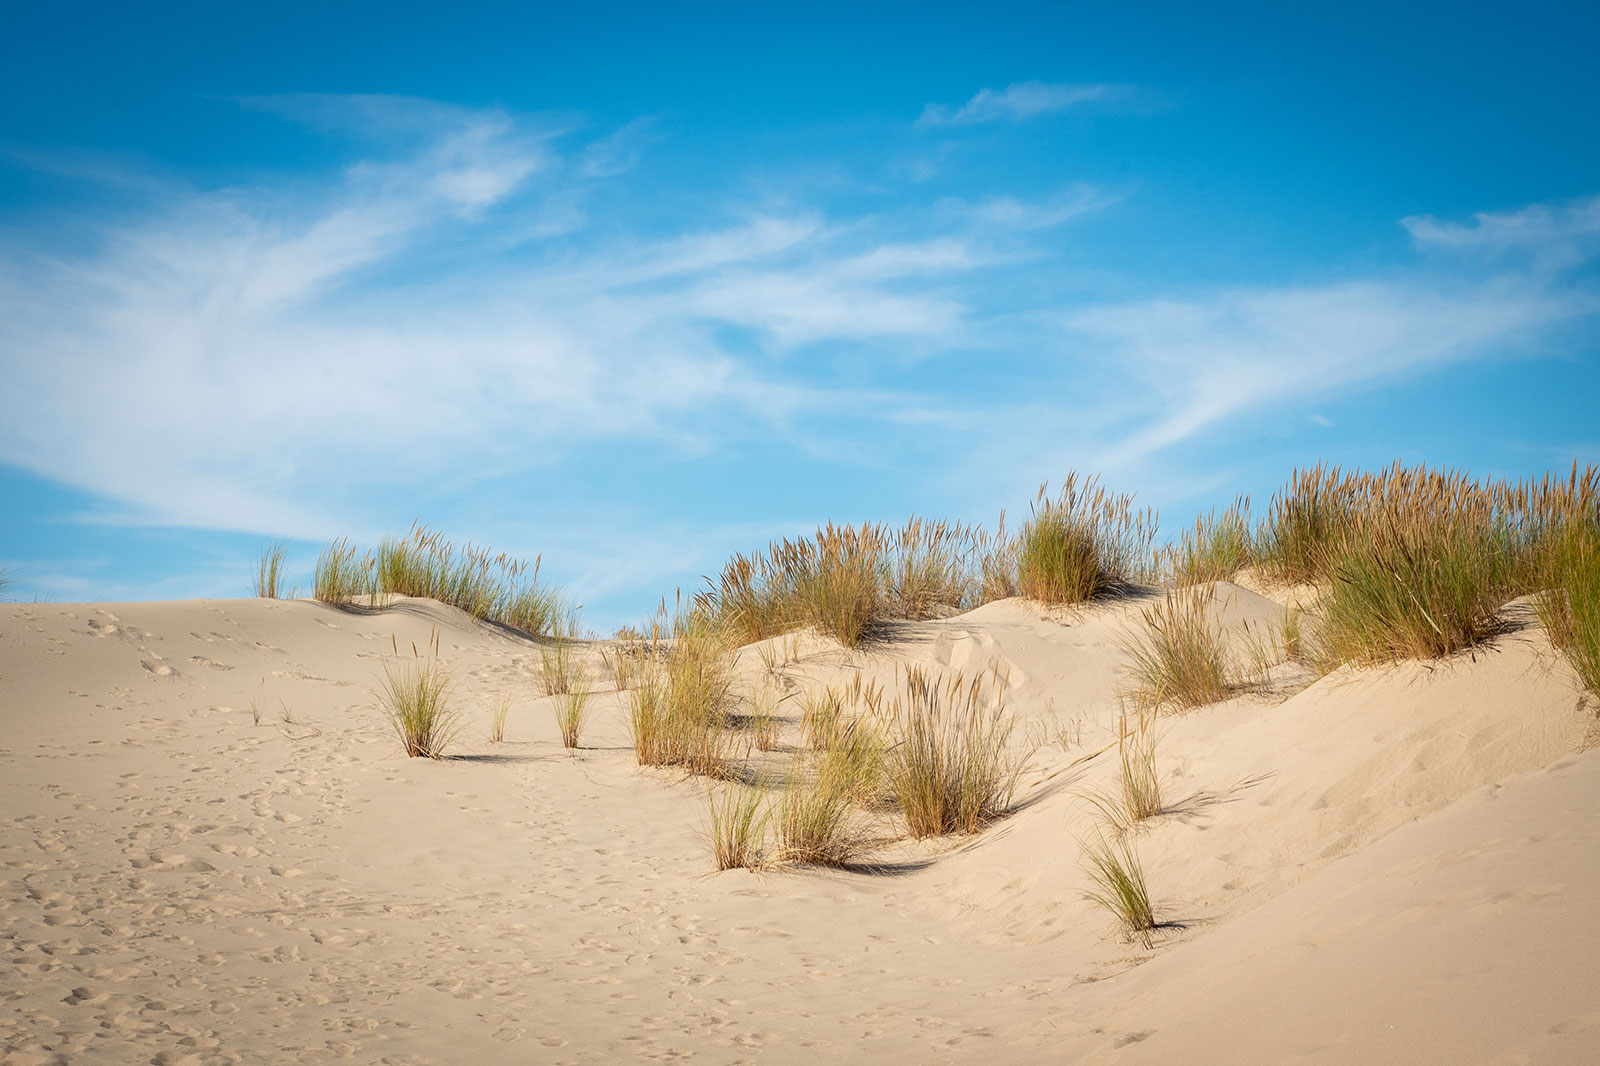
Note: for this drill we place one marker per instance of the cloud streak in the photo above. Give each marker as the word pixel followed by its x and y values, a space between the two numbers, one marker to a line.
pixel 1015 103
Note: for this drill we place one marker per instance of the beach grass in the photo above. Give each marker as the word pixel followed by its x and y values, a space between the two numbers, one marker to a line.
pixel 571 709
pixel 267 581
pixel 1570 603
pixel 497 720
pixel 1214 549
pixel 416 698
pixel 736 826
pixel 1118 884
pixel 1082 542
pixel 1179 656
pixel 489 586
pixel 812 816
pixel 947 759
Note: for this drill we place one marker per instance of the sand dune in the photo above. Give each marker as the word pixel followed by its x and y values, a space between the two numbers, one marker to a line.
pixel 1392 865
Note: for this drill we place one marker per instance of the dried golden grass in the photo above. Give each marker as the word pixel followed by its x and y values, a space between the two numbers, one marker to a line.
pixel 948 763
pixel 1179 656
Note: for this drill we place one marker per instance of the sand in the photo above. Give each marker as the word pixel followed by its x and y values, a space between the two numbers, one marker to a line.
pixel 1389 865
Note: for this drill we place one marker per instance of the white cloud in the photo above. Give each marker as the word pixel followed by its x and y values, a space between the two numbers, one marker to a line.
pixel 1556 235
pixel 1014 103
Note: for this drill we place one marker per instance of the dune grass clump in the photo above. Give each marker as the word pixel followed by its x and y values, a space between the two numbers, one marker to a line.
pixel 1117 877
pixel 344 575
pixel 495 587
pixel 764 722
pixel 571 710
pixel 1215 549
pixel 679 708
pixel 1179 656
pixel 489 587
pixel 1136 754
pixel 947 761
pixel 267 580
pixel 497 720
pixel 846 581
pixel 1414 586
pixel 560 669
pixel 1570 604
pixel 736 825
pixel 1084 542
pixel 813 818
pixel 416 700
pixel 1305 523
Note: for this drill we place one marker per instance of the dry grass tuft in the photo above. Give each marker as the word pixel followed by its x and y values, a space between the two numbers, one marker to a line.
pixel 736 828
pixel 267 579
pixel 1215 549
pixel 812 817
pixel 344 576
pixel 415 697
pixel 1082 543
pixel 948 763
pixel 571 709
pixel 490 587
pixel 1136 752
pixel 560 668
pixel 1180 656
pixel 679 708
pixel 1570 605
pixel 764 722
pixel 497 720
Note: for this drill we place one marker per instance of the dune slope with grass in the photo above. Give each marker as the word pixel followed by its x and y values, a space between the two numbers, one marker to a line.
pixel 215 850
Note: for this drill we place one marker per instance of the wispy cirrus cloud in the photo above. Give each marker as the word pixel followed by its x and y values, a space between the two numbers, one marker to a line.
pixel 235 339
pixel 1557 236
pixel 1015 103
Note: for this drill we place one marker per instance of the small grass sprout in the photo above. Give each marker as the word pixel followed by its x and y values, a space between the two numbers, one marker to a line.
pixel 1118 884
pixel 497 720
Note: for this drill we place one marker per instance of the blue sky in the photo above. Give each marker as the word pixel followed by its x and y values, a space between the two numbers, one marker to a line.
pixel 633 288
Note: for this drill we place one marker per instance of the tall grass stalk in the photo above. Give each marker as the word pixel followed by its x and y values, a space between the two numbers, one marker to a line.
pixel 344 576
pixel 1414 587
pixel 679 708
pixel 497 720
pixel 560 669
pixel 491 587
pixel 1136 752
pixel 266 582
pixel 812 816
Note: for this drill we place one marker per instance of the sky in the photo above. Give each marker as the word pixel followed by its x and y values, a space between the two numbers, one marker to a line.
pixel 630 288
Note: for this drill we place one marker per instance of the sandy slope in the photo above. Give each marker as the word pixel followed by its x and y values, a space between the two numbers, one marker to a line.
pixel 182 885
